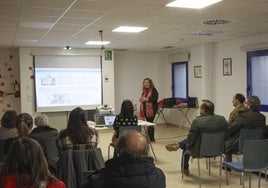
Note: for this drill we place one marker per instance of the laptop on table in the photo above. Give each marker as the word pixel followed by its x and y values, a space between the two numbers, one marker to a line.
pixel 109 121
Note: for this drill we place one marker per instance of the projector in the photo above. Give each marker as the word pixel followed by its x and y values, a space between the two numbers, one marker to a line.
pixel 104 110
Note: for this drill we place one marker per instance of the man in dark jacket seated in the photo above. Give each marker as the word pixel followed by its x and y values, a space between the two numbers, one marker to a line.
pixel 250 119
pixel 207 122
pixel 133 168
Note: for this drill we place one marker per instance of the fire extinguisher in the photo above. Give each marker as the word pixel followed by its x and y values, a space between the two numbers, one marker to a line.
pixel 16 89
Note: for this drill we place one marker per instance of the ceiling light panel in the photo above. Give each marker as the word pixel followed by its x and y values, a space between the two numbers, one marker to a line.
pixel 129 29
pixel 196 4
pixel 97 42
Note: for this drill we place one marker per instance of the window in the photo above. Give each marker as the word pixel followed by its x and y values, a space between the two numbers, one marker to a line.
pixel 257 78
pixel 180 80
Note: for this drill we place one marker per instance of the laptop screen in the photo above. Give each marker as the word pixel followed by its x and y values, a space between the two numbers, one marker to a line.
pixel 109 120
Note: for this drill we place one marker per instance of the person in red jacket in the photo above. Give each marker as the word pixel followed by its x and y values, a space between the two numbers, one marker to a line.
pixel 25 166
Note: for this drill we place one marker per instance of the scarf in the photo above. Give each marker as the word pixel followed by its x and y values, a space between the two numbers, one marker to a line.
pixel 147 109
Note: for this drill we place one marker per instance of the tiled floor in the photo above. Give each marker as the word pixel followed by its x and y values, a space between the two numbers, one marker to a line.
pixel 169 161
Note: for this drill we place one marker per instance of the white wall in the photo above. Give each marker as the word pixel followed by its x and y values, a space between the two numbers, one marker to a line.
pixel 127 70
pixel 132 67
pixel 57 119
pixel 227 86
pixel 130 70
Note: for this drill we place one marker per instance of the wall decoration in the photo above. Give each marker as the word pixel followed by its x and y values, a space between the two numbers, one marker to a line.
pixel 227 66
pixel 108 55
pixel 198 71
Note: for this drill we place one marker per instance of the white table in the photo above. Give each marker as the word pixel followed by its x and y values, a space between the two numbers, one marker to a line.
pixel 182 110
pixel 142 123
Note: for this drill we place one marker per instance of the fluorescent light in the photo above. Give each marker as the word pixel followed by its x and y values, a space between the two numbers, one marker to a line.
pixel 197 4
pixel 129 29
pixel 97 42
pixel 41 25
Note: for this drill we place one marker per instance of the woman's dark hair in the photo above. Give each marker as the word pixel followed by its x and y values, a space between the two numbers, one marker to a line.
pixel 127 109
pixel 24 122
pixel 26 157
pixel 77 128
pixel 151 83
pixel 9 119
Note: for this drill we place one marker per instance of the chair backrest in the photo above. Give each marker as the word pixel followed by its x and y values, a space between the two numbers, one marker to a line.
pixel 212 144
pixel 123 129
pixel 2 153
pixel 52 152
pixel 249 134
pixel 255 154
pixel 73 163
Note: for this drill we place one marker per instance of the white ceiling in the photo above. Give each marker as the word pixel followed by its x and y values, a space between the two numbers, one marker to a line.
pixel 58 23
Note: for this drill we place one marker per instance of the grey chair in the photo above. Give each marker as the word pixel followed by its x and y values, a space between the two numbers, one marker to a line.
pixel 73 165
pixel 121 131
pixel 248 134
pixel 255 159
pixel 211 147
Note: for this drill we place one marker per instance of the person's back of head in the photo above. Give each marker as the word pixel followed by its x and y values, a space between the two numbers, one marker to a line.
pixel 254 103
pixel 41 120
pixel 9 119
pixel 24 124
pixel 127 109
pixel 77 128
pixel 26 157
pixel 207 107
pixel 133 144
pixel 240 97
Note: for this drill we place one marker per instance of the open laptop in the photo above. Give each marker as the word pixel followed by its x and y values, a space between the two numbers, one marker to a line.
pixel 109 120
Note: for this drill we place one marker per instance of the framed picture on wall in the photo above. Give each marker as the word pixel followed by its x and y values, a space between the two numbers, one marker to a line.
pixel 108 55
pixel 198 71
pixel 227 66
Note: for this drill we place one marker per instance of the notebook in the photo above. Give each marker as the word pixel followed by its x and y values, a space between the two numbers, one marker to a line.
pixel 109 120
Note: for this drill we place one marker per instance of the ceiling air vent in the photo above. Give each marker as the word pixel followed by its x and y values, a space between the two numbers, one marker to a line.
pixel 215 22
pixel 206 32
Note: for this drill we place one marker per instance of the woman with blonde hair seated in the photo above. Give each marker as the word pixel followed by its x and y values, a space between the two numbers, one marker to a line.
pixel 25 166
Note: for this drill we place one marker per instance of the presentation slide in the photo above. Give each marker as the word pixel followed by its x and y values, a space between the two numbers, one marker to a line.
pixel 65 86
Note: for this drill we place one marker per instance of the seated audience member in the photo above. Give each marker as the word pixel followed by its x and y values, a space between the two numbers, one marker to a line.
pixel 24 125
pixel 25 166
pixel 207 122
pixel 77 135
pixel 42 129
pixel 41 132
pixel 238 103
pixel 8 125
pixel 132 169
pixel 250 119
pixel 125 118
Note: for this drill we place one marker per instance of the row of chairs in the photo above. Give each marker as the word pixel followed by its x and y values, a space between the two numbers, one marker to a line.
pixel 252 146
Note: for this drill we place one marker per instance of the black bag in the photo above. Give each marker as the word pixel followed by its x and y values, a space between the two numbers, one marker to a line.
pixel 192 102
pixel 169 102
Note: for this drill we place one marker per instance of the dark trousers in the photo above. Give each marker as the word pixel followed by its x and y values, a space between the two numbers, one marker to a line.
pixel 150 129
pixel 184 146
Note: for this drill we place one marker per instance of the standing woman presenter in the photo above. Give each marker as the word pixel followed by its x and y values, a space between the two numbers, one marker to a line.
pixel 148 107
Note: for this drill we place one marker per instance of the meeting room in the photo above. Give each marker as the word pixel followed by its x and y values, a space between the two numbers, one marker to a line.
pixel 144 93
